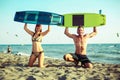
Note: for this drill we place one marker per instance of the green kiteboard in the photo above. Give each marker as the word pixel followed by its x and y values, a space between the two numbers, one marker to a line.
pixel 84 19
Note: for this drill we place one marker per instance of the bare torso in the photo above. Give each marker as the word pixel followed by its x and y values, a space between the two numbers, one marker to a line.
pixel 36 45
pixel 80 44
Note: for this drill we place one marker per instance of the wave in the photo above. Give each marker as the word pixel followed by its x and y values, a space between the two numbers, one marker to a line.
pixel 104 55
pixel 108 52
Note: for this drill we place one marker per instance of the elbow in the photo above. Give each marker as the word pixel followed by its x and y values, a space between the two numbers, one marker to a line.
pixel 49 30
pixel 65 32
pixel 25 28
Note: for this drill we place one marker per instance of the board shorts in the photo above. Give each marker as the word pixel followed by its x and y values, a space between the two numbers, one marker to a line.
pixel 82 58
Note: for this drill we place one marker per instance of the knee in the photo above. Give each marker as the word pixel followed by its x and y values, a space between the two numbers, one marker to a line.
pixel 88 65
pixel 30 65
pixel 66 57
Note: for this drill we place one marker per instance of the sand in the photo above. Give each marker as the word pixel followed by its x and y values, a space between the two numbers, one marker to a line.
pixel 14 67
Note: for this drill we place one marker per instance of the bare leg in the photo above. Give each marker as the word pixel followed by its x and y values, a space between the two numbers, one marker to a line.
pixel 32 59
pixel 69 58
pixel 41 60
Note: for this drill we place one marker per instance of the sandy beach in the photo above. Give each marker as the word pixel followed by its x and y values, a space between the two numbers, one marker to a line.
pixel 14 67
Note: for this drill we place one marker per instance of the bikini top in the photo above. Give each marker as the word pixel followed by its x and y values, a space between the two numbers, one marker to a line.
pixel 37 39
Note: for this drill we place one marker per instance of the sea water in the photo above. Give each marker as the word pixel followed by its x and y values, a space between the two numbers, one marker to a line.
pixel 102 53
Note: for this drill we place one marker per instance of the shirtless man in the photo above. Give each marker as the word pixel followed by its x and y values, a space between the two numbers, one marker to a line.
pixel 37 50
pixel 80 42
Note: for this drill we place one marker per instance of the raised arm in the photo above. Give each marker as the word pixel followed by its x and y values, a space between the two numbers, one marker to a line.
pixel 93 33
pixel 47 31
pixel 27 30
pixel 66 32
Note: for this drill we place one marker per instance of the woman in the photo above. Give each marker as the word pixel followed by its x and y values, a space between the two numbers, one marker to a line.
pixel 37 50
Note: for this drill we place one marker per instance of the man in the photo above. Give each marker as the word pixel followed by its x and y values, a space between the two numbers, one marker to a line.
pixel 80 42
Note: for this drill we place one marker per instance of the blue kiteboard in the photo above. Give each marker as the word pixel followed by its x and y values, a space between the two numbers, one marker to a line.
pixel 39 17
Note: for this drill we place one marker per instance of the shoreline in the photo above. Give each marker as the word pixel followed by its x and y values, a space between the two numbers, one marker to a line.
pixel 59 43
pixel 11 64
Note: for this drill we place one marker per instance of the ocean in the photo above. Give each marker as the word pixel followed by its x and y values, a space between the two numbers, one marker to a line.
pixel 102 53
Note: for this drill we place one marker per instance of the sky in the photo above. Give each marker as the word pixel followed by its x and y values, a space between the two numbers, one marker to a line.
pixel 12 32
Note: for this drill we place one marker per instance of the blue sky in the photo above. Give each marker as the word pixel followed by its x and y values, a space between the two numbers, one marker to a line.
pixel 106 33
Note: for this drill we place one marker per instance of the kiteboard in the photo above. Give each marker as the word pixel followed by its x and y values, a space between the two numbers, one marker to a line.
pixel 38 17
pixel 84 19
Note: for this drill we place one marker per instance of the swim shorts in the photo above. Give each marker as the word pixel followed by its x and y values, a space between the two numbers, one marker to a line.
pixel 82 58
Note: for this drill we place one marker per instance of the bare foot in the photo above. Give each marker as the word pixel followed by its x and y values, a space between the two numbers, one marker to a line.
pixel 46 65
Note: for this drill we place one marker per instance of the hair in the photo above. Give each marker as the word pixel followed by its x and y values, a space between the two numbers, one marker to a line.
pixel 80 27
pixel 38 25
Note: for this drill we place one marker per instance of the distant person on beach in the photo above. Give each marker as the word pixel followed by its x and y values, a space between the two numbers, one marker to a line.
pixel 9 50
pixel 37 50
pixel 80 42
